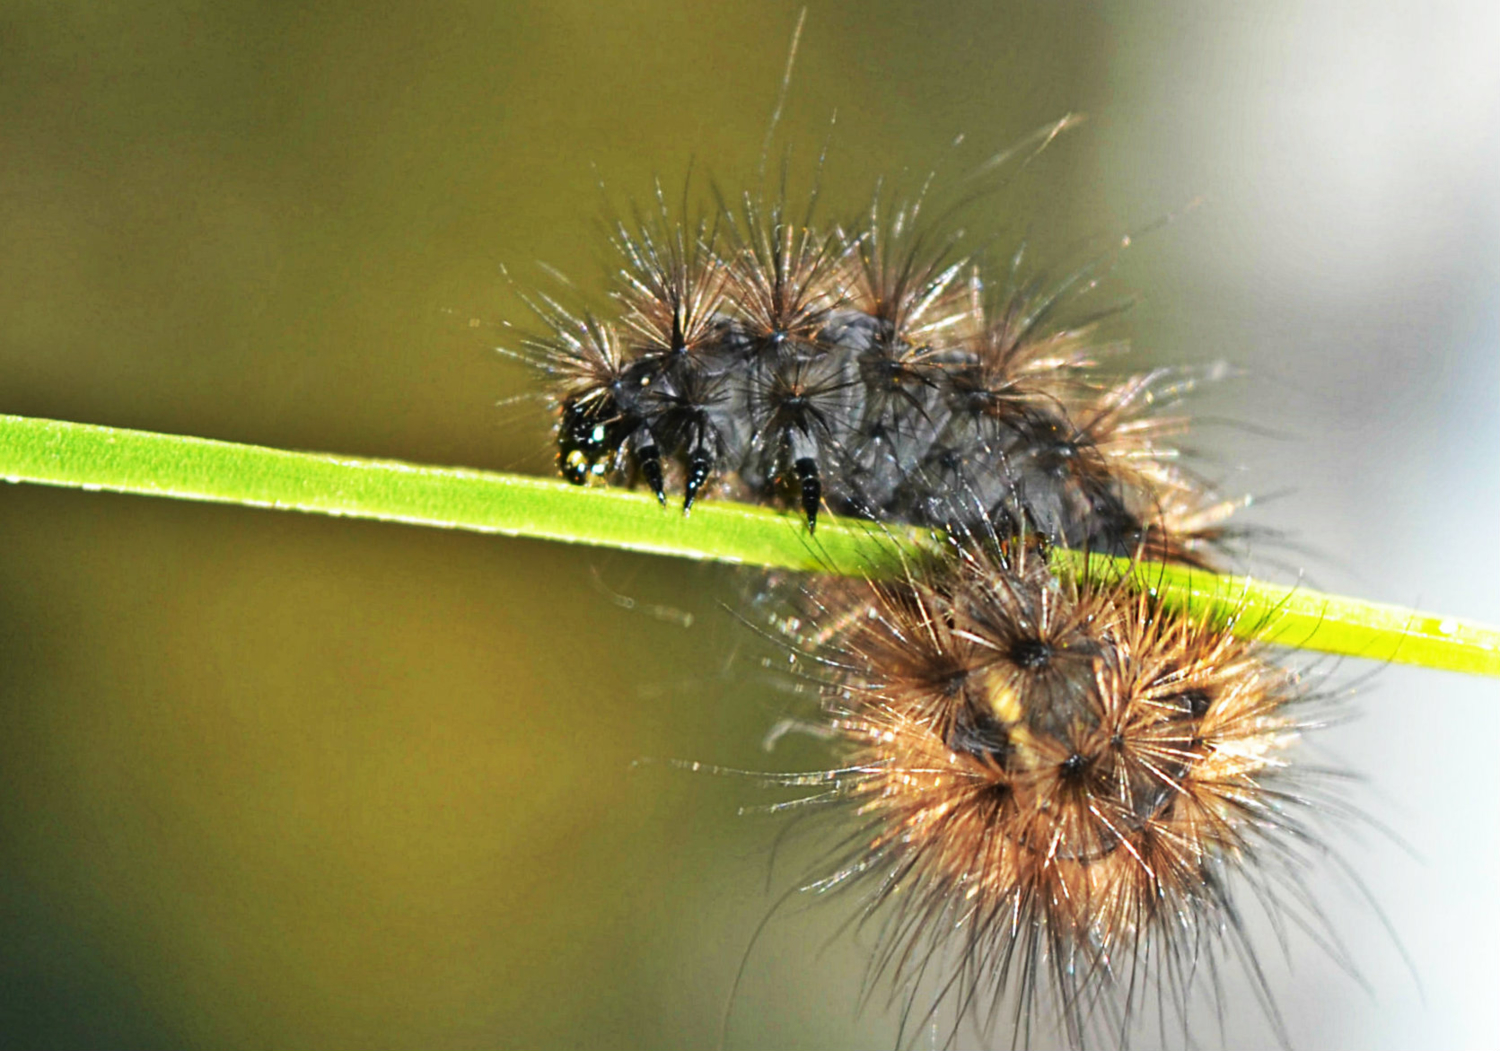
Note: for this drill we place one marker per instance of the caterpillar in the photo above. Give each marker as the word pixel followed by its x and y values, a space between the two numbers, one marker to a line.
pixel 1054 791
pixel 870 368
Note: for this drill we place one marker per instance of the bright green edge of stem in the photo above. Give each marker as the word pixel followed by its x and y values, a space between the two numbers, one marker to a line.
pixel 54 452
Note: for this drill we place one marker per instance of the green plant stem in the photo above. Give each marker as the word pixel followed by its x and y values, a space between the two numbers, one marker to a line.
pixel 54 452
pixel 1301 618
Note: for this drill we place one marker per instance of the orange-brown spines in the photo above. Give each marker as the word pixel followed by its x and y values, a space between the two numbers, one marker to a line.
pixel 1057 783
pixel 671 286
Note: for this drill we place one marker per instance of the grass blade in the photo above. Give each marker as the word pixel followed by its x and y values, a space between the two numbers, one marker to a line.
pixel 55 452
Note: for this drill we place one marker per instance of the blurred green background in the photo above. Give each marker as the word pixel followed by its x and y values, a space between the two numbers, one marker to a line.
pixel 279 781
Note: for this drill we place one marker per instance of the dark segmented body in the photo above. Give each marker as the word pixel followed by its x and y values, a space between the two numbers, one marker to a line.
pixel 854 415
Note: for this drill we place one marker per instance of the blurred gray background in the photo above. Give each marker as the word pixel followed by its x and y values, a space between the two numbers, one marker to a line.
pixel 281 781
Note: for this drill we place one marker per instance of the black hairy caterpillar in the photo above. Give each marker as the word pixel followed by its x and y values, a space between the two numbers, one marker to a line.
pixel 870 368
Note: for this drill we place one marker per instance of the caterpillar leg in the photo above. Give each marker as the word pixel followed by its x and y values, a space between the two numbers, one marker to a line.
pixel 811 486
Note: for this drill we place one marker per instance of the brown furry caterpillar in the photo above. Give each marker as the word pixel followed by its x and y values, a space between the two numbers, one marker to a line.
pixel 1058 794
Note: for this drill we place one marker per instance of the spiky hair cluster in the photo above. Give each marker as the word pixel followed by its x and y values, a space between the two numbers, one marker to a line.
pixel 867 367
